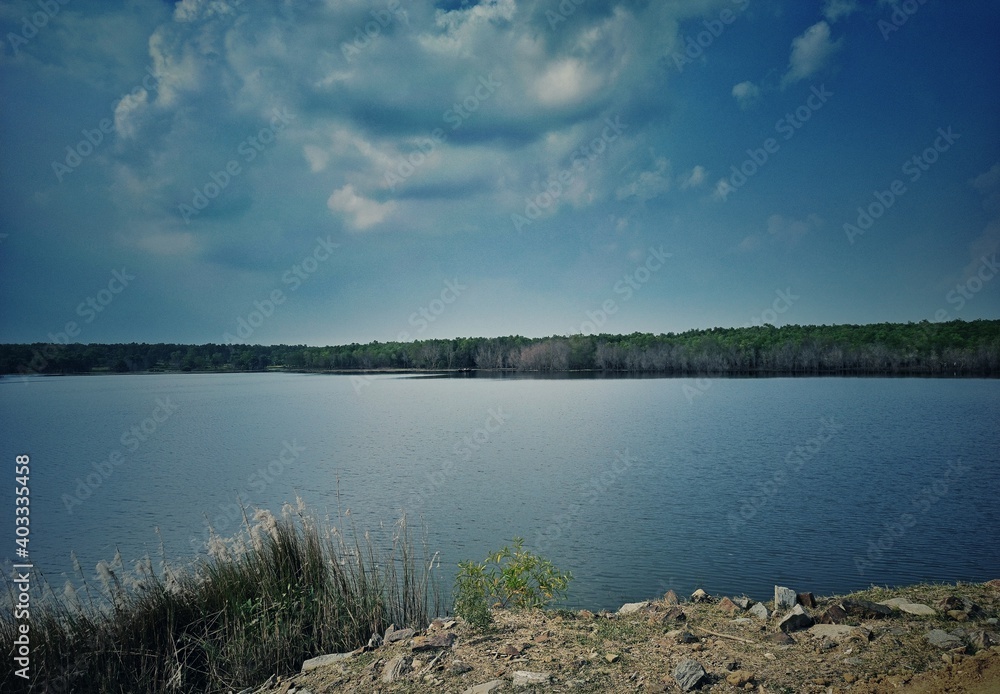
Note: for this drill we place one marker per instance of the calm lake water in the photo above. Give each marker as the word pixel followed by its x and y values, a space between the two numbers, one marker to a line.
pixel 635 485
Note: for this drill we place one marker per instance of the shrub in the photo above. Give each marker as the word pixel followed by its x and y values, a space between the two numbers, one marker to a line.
pixel 512 577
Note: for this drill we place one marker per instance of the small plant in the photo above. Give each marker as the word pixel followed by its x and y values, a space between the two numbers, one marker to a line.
pixel 512 577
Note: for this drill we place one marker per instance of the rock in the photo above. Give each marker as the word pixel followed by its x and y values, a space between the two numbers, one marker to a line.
pixel 632 608
pixel 612 657
pixel 981 640
pixel 459 667
pixel 374 642
pixel 850 678
pixel 524 678
pixel 585 614
pixel 395 668
pixel 689 674
pixel 795 620
pixel 432 641
pixel 948 603
pixel 671 598
pixel 739 678
pixel 674 614
pixel 836 632
pixel 806 599
pixel 834 614
pixel 324 660
pixel 780 638
pixel 959 615
pixel 511 651
pixel 681 636
pixel 394 635
pixel 784 598
pixel 728 606
pixel 542 637
pixel 866 609
pixel 700 596
pixel 759 611
pixel 743 602
pixel 485 687
pixel 904 605
pixel 943 640
pixel 741 621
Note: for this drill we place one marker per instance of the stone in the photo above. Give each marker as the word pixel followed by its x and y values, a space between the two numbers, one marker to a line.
pixel 866 609
pixel 324 660
pixel 674 614
pixel 511 651
pixel 850 678
pixel 915 608
pixel 950 602
pixel 806 599
pixel 943 640
pixel 542 637
pixel 525 678
pixel 779 638
pixel 374 642
pixel 834 614
pixel 728 606
pixel 743 602
pixel 795 620
pixel 959 615
pixel 432 641
pixel 759 611
pixel 836 632
pixel 784 598
pixel 741 621
pixel 394 635
pixel 981 639
pixel 585 614
pixel 612 657
pixel 632 608
pixel 700 596
pixel 689 674
pixel 671 598
pixel 395 669
pixel 739 678
pixel 485 687
pixel 459 667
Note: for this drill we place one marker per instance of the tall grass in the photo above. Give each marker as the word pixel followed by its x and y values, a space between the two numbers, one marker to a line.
pixel 285 589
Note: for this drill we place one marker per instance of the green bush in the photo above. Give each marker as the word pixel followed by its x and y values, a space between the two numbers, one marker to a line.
pixel 511 577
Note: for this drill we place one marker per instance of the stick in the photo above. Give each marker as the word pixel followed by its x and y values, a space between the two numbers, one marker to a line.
pixel 727 636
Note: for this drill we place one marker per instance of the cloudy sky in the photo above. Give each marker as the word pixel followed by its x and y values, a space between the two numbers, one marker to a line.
pixel 345 171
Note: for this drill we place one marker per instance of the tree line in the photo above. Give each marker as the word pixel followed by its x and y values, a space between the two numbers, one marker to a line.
pixel 952 348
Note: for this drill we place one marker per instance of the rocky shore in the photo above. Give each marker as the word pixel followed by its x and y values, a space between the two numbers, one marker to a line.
pixel 923 638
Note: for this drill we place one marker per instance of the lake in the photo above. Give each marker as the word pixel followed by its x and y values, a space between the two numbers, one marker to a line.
pixel 636 485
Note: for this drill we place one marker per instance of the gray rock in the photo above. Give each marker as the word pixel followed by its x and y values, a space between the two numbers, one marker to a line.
pixel 324 660
pixel 942 639
pixel 700 596
pixel 392 636
pixel 784 598
pixel 758 610
pixel 904 605
pixel 837 632
pixel 740 621
pixel 459 667
pixel 524 678
pixel 866 609
pixel 795 620
pixel 485 687
pixel 395 668
pixel 743 602
pixel 689 674
pixel 432 641
pixel 632 607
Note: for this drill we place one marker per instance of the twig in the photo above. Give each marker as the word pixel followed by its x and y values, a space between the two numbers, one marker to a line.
pixel 727 636
pixel 430 665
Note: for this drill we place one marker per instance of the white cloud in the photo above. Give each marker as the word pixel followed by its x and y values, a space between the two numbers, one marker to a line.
pixel 791 230
pixel 364 212
pixel 563 83
pixel 648 184
pixel 695 178
pixel 836 9
pixel 811 52
pixel 988 185
pixel 746 94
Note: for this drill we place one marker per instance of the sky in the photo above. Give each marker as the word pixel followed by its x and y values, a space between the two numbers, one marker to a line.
pixel 327 172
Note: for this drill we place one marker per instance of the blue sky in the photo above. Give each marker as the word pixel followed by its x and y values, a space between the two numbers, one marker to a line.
pixel 341 171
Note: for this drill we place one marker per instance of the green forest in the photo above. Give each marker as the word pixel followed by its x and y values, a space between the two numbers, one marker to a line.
pixel 952 348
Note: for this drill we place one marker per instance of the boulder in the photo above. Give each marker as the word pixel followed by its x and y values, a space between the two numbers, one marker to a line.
pixel 943 640
pixel 866 609
pixel 759 611
pixel 806 599
pixel 671 598
pixel 689 674
pixel 795 620
pixel 743 602
pixel 728 606
pixel 632 608
pixel 700 596
pixel 904 605
pixel 395 669
pixel 433 641
pixel 394 635
pixel 324 660
pixel 784 598
pixel 834 614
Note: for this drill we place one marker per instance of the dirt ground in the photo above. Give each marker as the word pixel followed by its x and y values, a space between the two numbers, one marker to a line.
pixel 863 652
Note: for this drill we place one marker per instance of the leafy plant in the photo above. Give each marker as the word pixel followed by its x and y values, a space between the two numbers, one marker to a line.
pixel 512 577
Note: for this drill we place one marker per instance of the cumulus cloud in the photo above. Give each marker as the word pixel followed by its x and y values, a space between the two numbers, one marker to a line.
pixel 363 213
pixel 747 94
pixel 811 52
pixel 834 10
pixel 695 178
pixel 648 184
